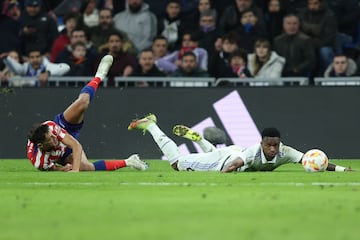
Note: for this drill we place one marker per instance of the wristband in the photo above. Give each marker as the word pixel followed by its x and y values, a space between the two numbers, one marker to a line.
pixel 339 169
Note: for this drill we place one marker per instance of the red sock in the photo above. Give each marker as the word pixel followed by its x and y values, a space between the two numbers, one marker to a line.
pixel 95 82
pixel 112 165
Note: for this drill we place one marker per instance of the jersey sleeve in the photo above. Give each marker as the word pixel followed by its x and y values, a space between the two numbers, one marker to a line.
pixel 58 131
pixel 294 155
pixel 39 159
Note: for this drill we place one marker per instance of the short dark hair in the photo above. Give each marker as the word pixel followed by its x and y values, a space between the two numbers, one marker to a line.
pixel 232 37
pixel 71 15
pixel 159 37
pixel 189 53
pixel 173 1
pixel 242 53
pixel 270 132
pixel 37 133
pixel 116 33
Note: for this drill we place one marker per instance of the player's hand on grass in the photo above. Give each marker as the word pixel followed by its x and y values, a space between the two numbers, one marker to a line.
pixel 348 169
pixel 67 167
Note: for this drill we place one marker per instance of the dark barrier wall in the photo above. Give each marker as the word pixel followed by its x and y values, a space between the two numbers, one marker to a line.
pixel 309 117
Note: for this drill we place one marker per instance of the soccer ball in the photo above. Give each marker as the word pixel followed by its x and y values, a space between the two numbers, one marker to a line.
pixel 315 160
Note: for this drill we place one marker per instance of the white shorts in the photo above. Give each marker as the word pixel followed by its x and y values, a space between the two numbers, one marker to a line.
pixel 210 161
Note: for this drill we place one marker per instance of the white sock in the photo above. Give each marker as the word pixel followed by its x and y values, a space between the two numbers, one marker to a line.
pixel 166 145
pixel 205 145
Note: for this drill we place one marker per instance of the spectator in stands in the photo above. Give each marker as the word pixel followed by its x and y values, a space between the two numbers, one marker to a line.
pixel 265 63
pixel 319 22
pixel 90 13
pixel 171 25
pixel 99 34
pixel 239 62
pixel 146 68
pixel 208 32
pixel 172 61
pixel 123 63
pixel 342 66
pixel 296 47
pixel 238 68
pixel 139 23
pixel 249 30
pixel 219 63
pixel 347 14
pixel 38 28
pixel 78 35
pixel 159 47
pixel 192 20
pixel 232 14
pixel 79 64
pixel 189 67
pixel 71 21
pixel 273 19
pixel 10 26
pixel 6 73
pixel 38 66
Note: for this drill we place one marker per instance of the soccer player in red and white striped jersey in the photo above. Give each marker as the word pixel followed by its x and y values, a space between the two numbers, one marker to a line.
pixel 53 145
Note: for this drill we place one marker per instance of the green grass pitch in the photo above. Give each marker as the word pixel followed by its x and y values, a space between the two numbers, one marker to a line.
pixel 164 204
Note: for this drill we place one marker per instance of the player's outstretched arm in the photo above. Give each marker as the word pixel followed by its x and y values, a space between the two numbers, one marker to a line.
pixel 337 168
pixel 77 151
pixel 233 165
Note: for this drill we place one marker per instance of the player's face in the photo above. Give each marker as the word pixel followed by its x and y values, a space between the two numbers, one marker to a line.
pixel 50 143
pixel 270 146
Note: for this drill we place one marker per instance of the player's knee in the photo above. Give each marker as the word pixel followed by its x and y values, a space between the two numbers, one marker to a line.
pixel 84 101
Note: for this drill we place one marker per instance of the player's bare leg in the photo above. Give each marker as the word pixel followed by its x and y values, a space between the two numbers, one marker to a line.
pixel 74 114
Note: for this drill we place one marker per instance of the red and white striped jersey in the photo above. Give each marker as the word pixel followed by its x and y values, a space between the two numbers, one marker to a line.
pixel 45 160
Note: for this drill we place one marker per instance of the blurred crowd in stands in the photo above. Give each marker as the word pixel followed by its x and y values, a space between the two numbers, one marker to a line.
pixel 179 38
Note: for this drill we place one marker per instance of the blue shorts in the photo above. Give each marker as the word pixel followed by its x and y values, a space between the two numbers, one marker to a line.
pixel 72 129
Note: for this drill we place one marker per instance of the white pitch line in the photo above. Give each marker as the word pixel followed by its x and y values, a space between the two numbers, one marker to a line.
pixel 200 184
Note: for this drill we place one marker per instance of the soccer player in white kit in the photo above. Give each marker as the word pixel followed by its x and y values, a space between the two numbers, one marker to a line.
pixel 265 156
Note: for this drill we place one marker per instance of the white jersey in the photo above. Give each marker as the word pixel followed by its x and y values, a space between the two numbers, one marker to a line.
pixel 254 158
pixel 209 161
